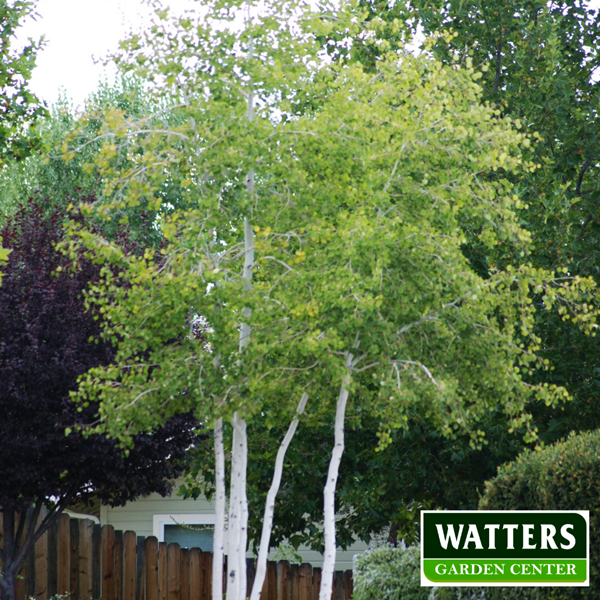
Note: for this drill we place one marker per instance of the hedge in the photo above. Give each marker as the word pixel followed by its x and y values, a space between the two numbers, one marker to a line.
pixel 394 574
pixel 565 476
pixel 389 573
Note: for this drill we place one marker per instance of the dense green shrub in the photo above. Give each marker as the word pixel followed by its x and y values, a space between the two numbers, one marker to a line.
pixel 394 574
pixel 389 574
pixel 565 476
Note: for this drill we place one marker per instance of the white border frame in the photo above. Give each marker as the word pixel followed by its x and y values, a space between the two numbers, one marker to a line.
pixel 584 513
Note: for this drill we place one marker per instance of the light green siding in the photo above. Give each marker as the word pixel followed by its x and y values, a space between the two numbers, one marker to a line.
pixel 138 516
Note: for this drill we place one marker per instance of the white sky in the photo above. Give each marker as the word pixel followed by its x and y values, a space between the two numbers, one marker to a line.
pixel 79 31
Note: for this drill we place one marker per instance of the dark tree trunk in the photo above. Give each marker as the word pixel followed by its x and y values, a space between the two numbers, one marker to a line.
pixel 8 581
pixel 21 532
pixel 393 535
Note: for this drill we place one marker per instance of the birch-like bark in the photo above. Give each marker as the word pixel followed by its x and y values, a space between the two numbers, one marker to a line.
pixel 238 502
pixel 265 538
pixel 233 559
pixel 219 534
pixel 329 491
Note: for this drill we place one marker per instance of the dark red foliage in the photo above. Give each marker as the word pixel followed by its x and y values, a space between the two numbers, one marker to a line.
pixel 45 345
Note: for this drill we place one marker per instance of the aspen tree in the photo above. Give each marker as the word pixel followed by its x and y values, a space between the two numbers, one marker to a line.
pixel 324 255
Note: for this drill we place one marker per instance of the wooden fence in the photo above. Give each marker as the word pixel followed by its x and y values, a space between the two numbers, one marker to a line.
pixel 89 562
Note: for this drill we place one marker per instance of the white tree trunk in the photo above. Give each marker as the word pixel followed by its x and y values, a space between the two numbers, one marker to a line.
pixel 219 534
pixel 265 538
pixel 329 491
pixel 238 512
pixel 238 501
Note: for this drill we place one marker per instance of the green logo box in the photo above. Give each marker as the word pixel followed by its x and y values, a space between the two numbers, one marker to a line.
pixel 524 548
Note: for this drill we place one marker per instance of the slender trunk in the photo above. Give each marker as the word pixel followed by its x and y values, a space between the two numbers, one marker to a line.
pixel 329 491
pixel 265 538
pixel 234 516
pixel 243 511
pixel 498 68
pixel 219 535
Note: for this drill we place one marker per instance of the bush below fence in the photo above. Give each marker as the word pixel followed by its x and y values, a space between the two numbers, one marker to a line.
pixel 87 561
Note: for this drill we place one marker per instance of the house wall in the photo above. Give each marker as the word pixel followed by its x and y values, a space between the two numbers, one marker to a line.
pixel 139 515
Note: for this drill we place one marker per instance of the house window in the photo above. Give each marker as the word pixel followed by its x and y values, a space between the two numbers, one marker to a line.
pixel 188 530
pixel 191 536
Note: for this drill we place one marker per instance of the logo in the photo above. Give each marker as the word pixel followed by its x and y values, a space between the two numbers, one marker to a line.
pixel 505 548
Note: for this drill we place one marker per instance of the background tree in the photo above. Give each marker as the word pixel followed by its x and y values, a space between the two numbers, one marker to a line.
pixel 19 106
pixel 47 340
pixel 539 65
pixel 64 180
pixel 541 62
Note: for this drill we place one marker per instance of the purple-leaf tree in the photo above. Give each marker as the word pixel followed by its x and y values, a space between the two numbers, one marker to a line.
pixel 47 340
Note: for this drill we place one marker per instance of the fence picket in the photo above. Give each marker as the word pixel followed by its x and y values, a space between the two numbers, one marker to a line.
pixel 196 592
pixel 63 578
pixel 348 587
pixel 96 561
pixel 118 565
pixel 140 585
pixel 162 571
pixel 151 568
pixel 184 557
pixel 85 559
pixel 305 591
pixel 129 566
pixel 294 581
pixel 316 582
pixel 173 572
pixel 108 563
pixel 41 568
pixel 206 575
pixel 284 588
